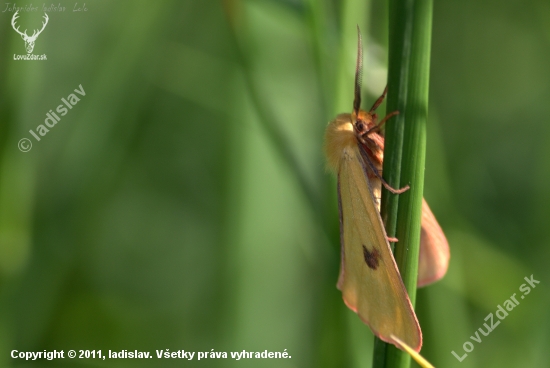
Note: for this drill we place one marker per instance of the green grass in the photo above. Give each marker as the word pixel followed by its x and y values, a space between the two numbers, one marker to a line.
pixel 405 151
pixel 183 203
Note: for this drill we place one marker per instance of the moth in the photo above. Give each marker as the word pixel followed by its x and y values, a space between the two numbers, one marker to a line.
pixel 369 278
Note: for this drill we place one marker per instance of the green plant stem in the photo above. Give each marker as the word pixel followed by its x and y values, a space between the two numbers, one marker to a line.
pixel 410 25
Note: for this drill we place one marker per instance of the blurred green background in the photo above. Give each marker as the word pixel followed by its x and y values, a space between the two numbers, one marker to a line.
pixel 183 202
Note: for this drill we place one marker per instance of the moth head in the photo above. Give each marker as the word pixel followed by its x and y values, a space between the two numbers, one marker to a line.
pixel 363 121
pixel 367 135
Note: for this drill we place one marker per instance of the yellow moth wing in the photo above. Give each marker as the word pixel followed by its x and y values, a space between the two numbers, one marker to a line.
pixel 434 255
pixel 369 279
pixel 434 251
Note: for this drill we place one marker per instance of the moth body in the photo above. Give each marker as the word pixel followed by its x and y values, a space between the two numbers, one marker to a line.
pixel 369 278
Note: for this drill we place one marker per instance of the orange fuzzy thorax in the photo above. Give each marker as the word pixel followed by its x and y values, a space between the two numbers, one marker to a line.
pixel 339 138
pixel 341 141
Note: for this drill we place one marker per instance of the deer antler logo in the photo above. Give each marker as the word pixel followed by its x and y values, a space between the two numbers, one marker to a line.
pixel 29 40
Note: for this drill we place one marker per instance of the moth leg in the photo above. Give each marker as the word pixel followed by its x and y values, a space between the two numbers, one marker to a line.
pixel 379 101
pixel 389 187
pixel 375 171
pixel 392 240
pixel 377 127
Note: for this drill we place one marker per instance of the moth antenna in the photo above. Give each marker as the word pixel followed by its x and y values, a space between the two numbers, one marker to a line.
pixel 358 73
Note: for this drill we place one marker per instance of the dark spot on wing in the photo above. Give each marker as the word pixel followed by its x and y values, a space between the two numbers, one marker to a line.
pixel 371 258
